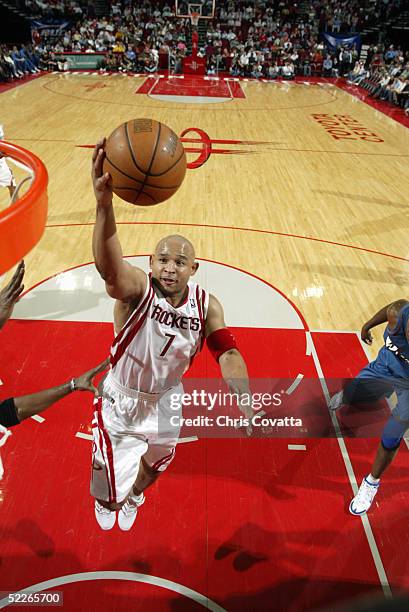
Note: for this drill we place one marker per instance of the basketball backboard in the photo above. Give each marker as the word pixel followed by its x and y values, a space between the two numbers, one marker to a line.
pixel 205 8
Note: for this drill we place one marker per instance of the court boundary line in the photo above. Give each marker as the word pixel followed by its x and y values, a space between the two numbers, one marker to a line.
pixel 403 120
pixel 164 583
pixel 383 579
pixel 240 229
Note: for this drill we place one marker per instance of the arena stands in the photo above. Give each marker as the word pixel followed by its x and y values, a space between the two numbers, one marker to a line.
pixel 268 39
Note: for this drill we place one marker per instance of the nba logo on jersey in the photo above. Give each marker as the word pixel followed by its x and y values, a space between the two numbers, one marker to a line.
pixel 192 303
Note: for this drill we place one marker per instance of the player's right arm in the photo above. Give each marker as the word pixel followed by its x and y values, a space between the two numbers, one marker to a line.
pixel 29 405
pixel 123 281
pixel 386 314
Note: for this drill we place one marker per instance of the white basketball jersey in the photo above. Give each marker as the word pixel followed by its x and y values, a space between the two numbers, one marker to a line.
pixel 158 342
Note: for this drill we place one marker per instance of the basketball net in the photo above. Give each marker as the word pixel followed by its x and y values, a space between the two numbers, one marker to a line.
pixel 194 18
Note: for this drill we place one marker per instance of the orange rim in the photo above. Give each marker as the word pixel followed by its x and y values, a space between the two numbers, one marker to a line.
pixel 22 224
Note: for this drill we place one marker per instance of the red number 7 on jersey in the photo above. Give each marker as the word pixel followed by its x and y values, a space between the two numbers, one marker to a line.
pixel 168 343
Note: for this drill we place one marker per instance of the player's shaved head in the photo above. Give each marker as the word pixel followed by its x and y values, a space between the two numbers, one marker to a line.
pixel 183 244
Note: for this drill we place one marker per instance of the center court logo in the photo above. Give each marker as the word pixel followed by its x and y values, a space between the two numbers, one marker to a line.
pixel 205 147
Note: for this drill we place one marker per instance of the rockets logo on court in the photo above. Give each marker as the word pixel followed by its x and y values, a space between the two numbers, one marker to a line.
pixel 204 146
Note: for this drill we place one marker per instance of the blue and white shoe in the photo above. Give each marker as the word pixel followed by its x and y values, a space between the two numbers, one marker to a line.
pixel 364 498
pixel 336 401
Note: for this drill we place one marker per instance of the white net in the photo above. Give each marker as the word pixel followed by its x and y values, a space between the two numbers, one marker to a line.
pixel 194 18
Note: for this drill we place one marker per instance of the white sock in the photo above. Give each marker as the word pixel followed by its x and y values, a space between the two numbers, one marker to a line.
pixel 372 480
pixel 135 498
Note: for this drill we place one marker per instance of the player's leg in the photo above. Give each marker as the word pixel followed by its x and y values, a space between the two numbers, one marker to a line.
pixel 153 464
pixel 115 462
pixel 392 435
pixel 370 385
pixel 147 475
pixel 160 453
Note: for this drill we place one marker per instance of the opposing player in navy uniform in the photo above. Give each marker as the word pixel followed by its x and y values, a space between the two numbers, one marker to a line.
pixel 161 321
pixel 379 379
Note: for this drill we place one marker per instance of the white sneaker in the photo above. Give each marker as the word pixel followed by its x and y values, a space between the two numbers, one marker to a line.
pixel 336 401
pixel 364 498
pixel 128 512
pixel 105 518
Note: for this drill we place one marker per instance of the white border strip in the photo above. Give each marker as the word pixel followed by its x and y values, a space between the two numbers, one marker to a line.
pixel 85 436
pixel 38 418
pixel 294 384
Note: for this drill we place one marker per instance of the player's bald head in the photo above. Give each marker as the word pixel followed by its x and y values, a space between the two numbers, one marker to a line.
pixel 178 242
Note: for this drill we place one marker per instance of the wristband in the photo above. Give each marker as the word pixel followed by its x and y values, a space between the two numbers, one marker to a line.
pixel 73 386
pixel 220 341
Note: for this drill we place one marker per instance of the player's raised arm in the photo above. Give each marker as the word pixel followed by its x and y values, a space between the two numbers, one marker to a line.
pixel 123 281
pixel 222 345
pixel 387 313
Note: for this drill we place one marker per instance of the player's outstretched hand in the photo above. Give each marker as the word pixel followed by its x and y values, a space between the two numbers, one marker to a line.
pixel 366 335
pixel 102 182
pixel 84 382
pixel 11 293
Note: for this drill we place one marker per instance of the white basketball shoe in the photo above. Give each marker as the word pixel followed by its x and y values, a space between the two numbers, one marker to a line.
pixel 336 401
pixel 105 517
pixel 364 498
pixel 128 512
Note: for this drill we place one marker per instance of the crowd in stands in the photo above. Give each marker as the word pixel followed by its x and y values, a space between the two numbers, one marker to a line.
pixel 386 77
pixel 269 39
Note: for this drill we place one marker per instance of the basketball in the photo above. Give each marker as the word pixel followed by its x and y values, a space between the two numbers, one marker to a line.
pixel 146 160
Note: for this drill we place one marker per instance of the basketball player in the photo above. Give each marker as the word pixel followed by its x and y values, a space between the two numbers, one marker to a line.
pixel 379 379
pixel 160 323
pixel 6 176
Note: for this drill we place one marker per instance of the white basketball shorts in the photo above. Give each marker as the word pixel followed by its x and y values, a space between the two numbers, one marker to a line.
pixel 127 426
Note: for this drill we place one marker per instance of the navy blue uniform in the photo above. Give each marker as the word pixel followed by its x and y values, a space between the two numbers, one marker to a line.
pixel 388 373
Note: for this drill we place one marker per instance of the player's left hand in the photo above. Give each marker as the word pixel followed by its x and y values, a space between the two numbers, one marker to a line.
pixel 11 293
pixel 366 335
pixel 84 382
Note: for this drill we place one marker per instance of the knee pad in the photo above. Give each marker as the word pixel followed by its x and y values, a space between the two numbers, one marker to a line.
pixel 393 433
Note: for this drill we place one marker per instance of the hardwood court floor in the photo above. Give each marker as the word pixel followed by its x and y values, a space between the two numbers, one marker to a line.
pixel 303 183
pixel 297 231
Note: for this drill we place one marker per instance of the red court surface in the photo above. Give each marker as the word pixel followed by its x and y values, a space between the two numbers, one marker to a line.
pixel 190 85
pixel 242 522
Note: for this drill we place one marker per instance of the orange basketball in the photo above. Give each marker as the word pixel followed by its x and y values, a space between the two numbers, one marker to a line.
pixel 146 160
